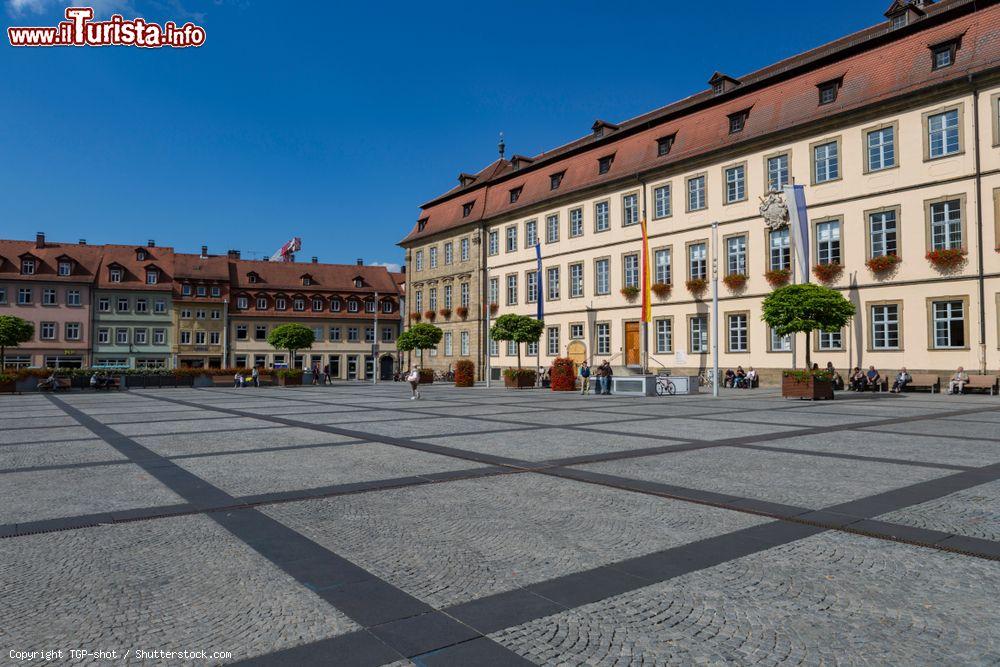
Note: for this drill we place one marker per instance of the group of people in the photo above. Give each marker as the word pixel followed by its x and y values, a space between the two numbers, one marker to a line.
pixel 872 380
pixel 602 376
pixel 740 379
pixel 240 380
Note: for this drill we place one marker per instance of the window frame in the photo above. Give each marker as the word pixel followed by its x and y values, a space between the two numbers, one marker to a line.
pixel 548 228
pixel 687 259
pixel 746 253
pixel 787 153
pixel 928 229
pixel 597 290
pixel 746 331
pixel 838 141
pixel 865 162
pixel 668 187
pixel 816 339
pixel 571 285
pixel 704 333
pixel 726 201
pixel 870 325
pixel 839 219
pixel 932 338
pixel 606 203
pixel 925 127
pixel 669 319
pixel 637 208
pixel 669 249
pixel 569 219
pixel 868 228
pixel 687 192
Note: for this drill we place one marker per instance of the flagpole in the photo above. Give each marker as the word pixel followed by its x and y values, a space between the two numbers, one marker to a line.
pixel 715 309
pixel 540 314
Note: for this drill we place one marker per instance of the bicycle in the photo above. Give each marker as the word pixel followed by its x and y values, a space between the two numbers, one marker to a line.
pixel 706 379
pixel 664 386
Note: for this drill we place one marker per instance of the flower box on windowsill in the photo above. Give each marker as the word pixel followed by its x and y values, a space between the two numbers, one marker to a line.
pixel 883 263
pixel 462 312
pixel 946 258
pixel 630 293
pixel 430 315
pixel 828 273
pixel 807 385
pixel 661 290
pixel 696 285
pixel 735 281
pixel 446 313
pixel 778 277
pixel 415 316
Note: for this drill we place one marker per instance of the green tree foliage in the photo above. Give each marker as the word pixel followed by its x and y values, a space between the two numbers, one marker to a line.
pixel 13 332
pixel 806 308
pixel 292 337
pixel 420 337
pixel 518 328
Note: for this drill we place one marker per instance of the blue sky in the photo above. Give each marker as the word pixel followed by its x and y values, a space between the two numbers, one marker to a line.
pixel 335 121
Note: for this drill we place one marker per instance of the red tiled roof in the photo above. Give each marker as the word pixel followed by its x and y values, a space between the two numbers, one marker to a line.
pixel 325 277
pixel 876 64
pixel 86 259
pixel 134 277
pixel 196 267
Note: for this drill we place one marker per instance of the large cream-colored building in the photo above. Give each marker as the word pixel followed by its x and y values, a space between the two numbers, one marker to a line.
pixel 894 132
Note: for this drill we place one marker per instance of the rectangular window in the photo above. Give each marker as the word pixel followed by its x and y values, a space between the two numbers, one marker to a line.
pixel 698 334
pixel 260 332
pixel 121 336
pixel 418 301
pixel 494 348
pixel 512 290
pixel 511 348
pixel 447 296
pixel 555 180
pixel 463 250
pixel 661 201
pixel 494 242
pixel 142 306
pixel 881 148
pixel 241 332
pixel 494 291
pixel 334 334
pixel 464 295
pixel 185 338
pixel 418 260
pixel 139 336
pixel 780 343
pixel 73 297
pixel 780 256
pixel 551 229
pixel 552 283
pixel 826 162
pixel 352 335
pixel 576 222
pixel 432 257
pixel 736 184
pixel 630 210
pixel 48 331
pixel 943 55
pixel 882 233
pixel 738 332
pixel 72 331
pixel 630 265
pixel 664 337
pixel 511 238
pixel 942 134
pixel 3 295
pixel 531 349
pixel 832 340
pixel 449 253
pixel 552 339
pixel 369 334
pixel 28 267
pixel 104 336
pixel 115 275
pixel 696 193
pixel 151 277
pixel 949 324
pixel 697 261
pixel 946 225
pixel 464 343
pixel 576 331
pixel 602 220
pixel 661 266
pixel 604 164
pixel 65 268
pixel 432 298
pixel 603 335
pixel 386 334
pixel 664 144
pixel 777 172
pixel 736 255
pixel 531 233
pixel 828 242
pixel 531 287
pixel 602 277
pixel 885 327
pixel 828 92
pixel 122 304
pixel 24 296
pixel 48 297
pixel 160 306
pixel 576 279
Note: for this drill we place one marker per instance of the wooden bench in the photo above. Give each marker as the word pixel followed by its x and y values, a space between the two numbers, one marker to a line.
pixel 62 384
pixel 981 383
pixel 223 380
pixel 110 383
pixel 925 381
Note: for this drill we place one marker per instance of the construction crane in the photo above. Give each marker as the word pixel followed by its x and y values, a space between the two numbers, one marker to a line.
pixel 286 253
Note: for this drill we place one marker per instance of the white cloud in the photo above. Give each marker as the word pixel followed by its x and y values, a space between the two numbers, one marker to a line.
pixel 391 266
pixel 18 7
pixel 102 8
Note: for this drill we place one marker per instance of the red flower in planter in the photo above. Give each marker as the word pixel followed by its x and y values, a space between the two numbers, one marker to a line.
pixel 735 281
pixel 828 273
pixel 430 315
pixel 446 313
pixel 415 316
pixel 662 290
pixel 563 375
pixel 630 293
pixel 465 373
pixel 494 307
pixel 696 285
pixel 946 258
pixel 883 263
pixel 462 312
pixel 778 277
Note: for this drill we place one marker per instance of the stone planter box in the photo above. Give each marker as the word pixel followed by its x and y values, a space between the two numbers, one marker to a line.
pixel 426 377
pixel 295 381
pixel 8 387
pixel 810 388
pixel 519 382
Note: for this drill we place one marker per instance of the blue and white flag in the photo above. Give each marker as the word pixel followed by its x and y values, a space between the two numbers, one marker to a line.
pixel 798 222
pixel 541 292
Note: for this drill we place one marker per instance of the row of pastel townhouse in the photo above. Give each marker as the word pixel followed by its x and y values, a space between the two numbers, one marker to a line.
pixel 146 306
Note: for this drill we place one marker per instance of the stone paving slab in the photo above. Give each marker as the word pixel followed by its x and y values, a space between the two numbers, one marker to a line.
pixel 930 449
pixel 695 429
pixel 192 426
pixel 53 434
pixel 162 416
pixel 508 532
pixel 224 441
pixel 56 453
pixel 946 429
pixel 50 494
pixel 264 472
pixel 973 512
pixel 792 479
pixel 423 427
pixel 172 584
pixel 17 422
pixel 828 599
pixel 542 445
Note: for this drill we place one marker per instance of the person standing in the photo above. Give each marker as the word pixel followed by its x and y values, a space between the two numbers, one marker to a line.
pixel 414 379
pixel 326 374
pixel 255 374
pixel 606 374
pixel 584 378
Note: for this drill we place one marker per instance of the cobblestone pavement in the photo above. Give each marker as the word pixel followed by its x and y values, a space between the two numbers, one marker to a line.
pixel 349 525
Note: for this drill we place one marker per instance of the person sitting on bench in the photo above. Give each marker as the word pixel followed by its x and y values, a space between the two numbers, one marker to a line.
pixel 902 379
pixel 872 379
pixel 957 383
pixel 835 377
pixel 857 379
pixel 49 383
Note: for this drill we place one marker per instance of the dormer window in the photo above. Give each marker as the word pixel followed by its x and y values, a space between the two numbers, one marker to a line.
pixel 738 120
pixel 555 180
pixel 140 255
pixel 152 276
pixel 664 144
pixel 352 306
pixel 28 266
pixel 307 280
pixel 604 164
pixel 242 302
pixel 467 209
pixel 387 306
pixel 943 55
pixel 718 88
pixel 901 13
pixel 280 303
pixel 898 21
pixel 65 268
pixel 358 282
pixel 186 290
pixel 721 83
pixel 828 91
pixel 317 304
pixel 519 161
pixel 262 303
pixel 370 306
pixel 421 224
pixel 202 292
pixel 252 278
pixel 515 193
pixel 335 305
pixel 115 274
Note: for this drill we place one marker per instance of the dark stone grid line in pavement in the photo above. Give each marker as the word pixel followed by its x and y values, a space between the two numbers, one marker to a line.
pixel 399 620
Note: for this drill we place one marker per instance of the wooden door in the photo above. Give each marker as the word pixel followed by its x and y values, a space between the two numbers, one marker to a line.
pixel 632 344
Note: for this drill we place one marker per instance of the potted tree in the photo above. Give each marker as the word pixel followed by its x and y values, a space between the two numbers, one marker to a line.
pixel 803 309
pixel 292 337
pixel 13 332
pixel 420 337
pixel 520 329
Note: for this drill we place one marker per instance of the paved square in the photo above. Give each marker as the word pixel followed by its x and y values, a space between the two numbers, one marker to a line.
pixel 349 525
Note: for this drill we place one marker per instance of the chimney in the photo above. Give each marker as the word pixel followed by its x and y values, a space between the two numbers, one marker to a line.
pixel 402 269
pixel 315 260
pixel 40 240
pixel 151 243
pixel 361 262
pixel 83 241
pixel 233 254
pixel 204 251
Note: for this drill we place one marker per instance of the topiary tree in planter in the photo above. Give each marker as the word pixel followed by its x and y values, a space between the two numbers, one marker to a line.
pixel 518 328
pixel 292 337
pixel 806 308
pixel 419 337
pixel 13 332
